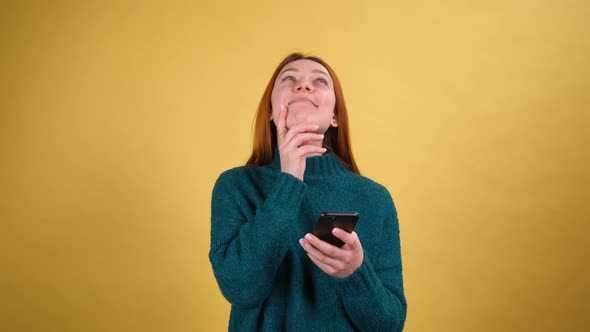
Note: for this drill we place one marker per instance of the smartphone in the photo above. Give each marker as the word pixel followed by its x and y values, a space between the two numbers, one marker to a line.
pixel 330 220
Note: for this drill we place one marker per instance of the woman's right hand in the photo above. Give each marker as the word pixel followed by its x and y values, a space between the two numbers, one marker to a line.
pixel 296 144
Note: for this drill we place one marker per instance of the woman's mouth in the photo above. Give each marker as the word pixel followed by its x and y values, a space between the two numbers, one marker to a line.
pixel 303 100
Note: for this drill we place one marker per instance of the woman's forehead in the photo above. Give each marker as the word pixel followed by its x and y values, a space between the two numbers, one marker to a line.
pixel 305 65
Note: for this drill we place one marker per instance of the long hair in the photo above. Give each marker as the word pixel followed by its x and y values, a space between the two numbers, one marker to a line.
pixel 336 139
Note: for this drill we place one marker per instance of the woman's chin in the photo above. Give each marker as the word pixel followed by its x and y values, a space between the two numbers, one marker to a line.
pixel 316 143
pixel 293 122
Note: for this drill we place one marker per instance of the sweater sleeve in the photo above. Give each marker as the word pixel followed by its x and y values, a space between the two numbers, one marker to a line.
pixel 247 250
pixel 373 295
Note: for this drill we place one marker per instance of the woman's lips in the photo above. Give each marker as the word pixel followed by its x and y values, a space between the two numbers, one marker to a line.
pixel 303 100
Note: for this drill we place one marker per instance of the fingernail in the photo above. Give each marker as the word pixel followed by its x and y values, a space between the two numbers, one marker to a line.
pixel 308 236
pixel 301 242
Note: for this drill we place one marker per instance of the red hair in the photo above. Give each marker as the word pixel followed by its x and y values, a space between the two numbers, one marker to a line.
pixel 336 139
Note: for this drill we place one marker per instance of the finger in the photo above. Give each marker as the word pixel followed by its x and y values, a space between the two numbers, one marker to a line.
pixel 323 246
pixel 304 126
pixel 297 140
pixel 350 239
pixel 324 267
pixel 281 126
pixel 301 128
pixel 309 150
pixel 318 255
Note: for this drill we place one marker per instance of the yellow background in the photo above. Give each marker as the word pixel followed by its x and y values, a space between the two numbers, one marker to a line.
pixel 116 119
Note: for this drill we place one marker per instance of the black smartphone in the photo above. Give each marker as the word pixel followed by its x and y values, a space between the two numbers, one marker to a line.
pixel 330 220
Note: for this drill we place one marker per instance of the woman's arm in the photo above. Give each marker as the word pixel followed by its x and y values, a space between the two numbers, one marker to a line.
pixel 371 289
pixel 373 295
pixel 246 250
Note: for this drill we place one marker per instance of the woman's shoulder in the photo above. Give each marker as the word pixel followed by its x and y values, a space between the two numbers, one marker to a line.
pixel 368 186
pixel 240 173
pixel 364 181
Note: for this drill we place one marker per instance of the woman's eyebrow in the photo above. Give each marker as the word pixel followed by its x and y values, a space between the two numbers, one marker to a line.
pixel 320 72
pixel 286 70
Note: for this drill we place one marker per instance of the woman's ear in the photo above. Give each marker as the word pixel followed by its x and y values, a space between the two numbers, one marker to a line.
pixel 334 122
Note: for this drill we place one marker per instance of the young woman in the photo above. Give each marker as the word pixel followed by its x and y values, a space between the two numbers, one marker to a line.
pixel 274 272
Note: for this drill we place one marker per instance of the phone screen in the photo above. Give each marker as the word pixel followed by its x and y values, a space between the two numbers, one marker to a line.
pixel 330 220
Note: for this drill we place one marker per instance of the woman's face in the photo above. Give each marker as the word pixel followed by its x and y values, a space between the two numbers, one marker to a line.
pixel 306 89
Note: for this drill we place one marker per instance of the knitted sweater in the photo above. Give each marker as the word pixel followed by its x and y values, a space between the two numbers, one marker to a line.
pixel 258 215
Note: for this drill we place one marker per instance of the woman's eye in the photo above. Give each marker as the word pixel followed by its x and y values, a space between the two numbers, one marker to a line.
pixel 322 80
pixel 289 78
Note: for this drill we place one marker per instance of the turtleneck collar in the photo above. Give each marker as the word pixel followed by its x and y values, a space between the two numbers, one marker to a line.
pixel 322 166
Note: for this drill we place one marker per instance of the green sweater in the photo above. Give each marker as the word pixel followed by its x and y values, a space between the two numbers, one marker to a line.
pixel 258 215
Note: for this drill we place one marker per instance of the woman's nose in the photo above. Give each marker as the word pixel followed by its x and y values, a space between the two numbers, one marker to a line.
pixel 303 86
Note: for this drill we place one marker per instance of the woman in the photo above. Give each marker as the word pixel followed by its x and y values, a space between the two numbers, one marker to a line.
pixel 274 272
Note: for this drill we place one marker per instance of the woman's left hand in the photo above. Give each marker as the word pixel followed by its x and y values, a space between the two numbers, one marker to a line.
pixel 337 262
